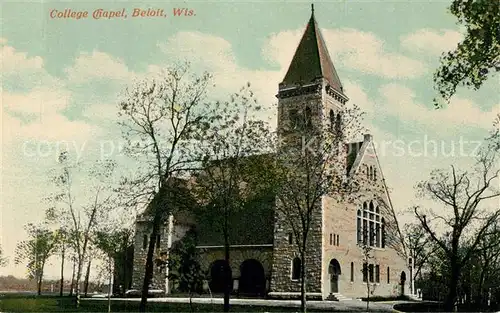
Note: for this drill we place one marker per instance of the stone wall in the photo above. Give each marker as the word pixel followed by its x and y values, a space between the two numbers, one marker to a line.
pixel 144 228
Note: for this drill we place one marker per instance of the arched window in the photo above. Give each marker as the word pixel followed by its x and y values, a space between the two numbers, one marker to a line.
pixel 294 119
pixel 144 242
pixel 374 174
pixel 388 275
pixel 352 271
pixel 290 238
pixel 158 241
pixel 358 228
pixel 308 117
pixel 296 264
pixel 383 233
pixel 338 239
pixel 371 173
pixel 367 172
pixel 369 226
pixel 338 124
pixel 332 120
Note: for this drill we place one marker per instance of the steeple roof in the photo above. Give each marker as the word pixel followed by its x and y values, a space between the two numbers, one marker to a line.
pixel 312 60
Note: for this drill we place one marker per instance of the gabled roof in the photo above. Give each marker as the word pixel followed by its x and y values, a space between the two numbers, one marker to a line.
pixel 312 60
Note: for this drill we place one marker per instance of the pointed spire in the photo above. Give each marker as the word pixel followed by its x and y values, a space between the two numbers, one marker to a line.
pixel 312 60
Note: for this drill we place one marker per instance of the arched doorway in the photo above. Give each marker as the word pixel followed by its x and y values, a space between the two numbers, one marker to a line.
pixel 220 275
pixel 252 279
pixel 334 270
pixel 402 282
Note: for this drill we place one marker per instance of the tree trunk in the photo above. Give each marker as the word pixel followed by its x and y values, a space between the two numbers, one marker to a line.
pixel 367 294
pixel 87 275
pixel 148 275
pixel 78 279
pixel 228 285
pixel 451 298
pixel 61 287
pixel 72 279
pixel 40 279
pixel 110 291
pixel 303 299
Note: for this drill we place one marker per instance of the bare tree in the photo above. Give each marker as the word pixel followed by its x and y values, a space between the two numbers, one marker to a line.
pixel 310 165
pixel 80 218
pixel 367 270
pixel 236 162
pixel 163 119
pixel 462 217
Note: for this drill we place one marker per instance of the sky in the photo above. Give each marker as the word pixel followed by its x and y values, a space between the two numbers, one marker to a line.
pixel 61 79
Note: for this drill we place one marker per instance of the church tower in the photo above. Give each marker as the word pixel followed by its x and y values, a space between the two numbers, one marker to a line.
pixel 310 99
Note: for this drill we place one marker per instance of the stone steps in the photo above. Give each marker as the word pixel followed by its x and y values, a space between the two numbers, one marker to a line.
pixel 337 297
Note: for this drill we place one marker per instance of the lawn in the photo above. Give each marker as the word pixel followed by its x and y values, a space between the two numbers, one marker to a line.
pixel 23 303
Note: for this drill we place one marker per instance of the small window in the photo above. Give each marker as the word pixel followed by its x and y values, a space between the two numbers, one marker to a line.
pixel 352 271
pixel 294 119
pixel 359 231
pixel 290 238
pixel 158 241
pixel 338 124
pixel 365 272
pixel 144 242
pixel 370 272
pixel 374 174
pixel 296 264
pixel 331 239
pixel 388 275
pixel 338 240
pixel 377 273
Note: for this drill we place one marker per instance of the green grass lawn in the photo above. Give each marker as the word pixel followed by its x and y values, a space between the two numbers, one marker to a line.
pixel 23 303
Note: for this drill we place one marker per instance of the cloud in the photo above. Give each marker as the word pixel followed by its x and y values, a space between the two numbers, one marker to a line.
pixel 37 101
pixel 13 61
pixel 401 101
pixel 433 42
pixel 349 48
pixel 97 65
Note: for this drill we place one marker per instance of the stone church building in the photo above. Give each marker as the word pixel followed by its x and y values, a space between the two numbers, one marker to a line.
pixel 263 258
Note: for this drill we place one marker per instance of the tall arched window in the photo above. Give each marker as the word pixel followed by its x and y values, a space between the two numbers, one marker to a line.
pixel 352 271
pixel 388 275
pixel 332 120
pixel 383 233
pixel 369 225
pixel 374 174
pixel 308 117
pixel 338 125
pixel 144 241
pixel 371 173
pixel 296 264
pixel 359 237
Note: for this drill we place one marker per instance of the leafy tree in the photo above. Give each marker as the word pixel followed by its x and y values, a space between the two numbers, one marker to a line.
pixel 461 216
pixel 36 250
pixel 110 242
pixel 477 57
pixel 3 260
pixel 184 267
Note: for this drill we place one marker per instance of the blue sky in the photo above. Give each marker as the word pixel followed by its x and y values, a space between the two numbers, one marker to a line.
pixel 61 79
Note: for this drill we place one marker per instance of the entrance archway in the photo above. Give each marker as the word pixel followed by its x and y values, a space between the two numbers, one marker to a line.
pixel 334 270
pixel 252 279
pixel 402 282
pixel 220 275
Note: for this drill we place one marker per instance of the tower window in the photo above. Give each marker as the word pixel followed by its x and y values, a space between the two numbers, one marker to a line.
pixel 332 120
pixel 308 118
pixel 144 242
pixel 294 119
pixel 352 271
pixel 338 124
pixel 290 238
pixel 296 264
